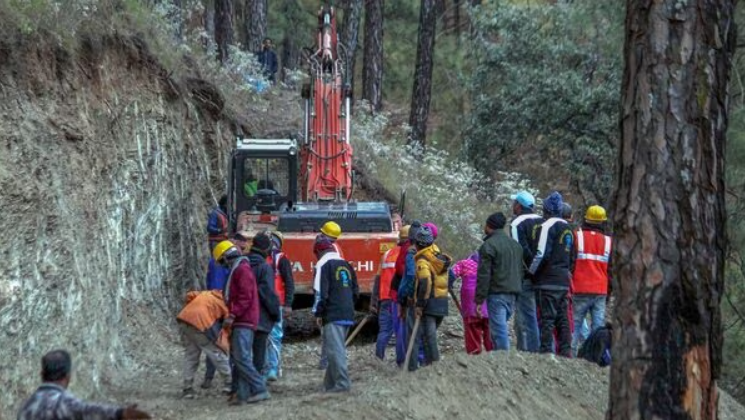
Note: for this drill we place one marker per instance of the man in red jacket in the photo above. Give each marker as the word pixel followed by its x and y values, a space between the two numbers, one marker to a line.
pixel 242 299
pixel 590 274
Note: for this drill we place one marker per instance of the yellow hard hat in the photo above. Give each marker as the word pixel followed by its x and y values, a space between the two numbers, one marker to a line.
pixel 221 249
pixel 331 229
pixel 595 214
pixel 403 234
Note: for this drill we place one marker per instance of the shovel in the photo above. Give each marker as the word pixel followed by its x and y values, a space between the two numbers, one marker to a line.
pixel 412 341
pixel 357 330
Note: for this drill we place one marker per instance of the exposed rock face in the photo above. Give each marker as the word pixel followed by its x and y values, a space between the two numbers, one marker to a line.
pixel 108 168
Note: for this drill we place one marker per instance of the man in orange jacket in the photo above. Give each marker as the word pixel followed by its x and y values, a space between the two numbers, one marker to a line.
pixel 200 323
pixel 590 274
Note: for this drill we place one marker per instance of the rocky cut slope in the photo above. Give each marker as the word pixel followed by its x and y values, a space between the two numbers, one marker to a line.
pixel 107 169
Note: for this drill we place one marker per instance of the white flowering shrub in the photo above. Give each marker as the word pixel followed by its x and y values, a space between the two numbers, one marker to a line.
pixel 439 187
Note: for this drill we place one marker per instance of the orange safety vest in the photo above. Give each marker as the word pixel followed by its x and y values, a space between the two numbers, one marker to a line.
pixel 279 282
pixel 591 266
pixel 387 271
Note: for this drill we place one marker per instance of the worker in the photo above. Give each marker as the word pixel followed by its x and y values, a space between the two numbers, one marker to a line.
pixel 382 300
pixel 550 268
pixel 521 230
pixel 402 332
pixel 251 185
pixel 268 60
pixel 217 223
pixel 335 283
pixel 52 400
pixel 499 278
pixel 332 231
pixel 475 319
pixel 284 285
pixel 217 275
pixel 261 248
pixel 242 299
pixel 430 294
pixel 200 323
pixel 591 273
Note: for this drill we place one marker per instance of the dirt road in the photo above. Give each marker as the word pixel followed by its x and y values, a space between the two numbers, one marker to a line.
pixel 510 385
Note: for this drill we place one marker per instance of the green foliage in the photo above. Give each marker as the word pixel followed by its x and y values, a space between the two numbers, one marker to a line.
pixel 548 76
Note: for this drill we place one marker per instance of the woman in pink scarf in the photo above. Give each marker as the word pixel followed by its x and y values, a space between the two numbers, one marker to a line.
pixel 475 320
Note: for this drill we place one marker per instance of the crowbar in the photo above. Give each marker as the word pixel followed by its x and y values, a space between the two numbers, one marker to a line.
pixel 412 341
pixel 357 330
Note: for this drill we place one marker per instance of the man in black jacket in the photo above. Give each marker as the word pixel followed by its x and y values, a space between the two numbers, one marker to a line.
pixel 335 283
pixel 268 60
pixel 550 270
pixel 268 301
pixel 521 230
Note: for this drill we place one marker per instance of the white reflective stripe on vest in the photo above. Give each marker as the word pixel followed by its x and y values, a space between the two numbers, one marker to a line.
pixel 519 219
pixel 582 255
pixel 388 265
pixel 545 227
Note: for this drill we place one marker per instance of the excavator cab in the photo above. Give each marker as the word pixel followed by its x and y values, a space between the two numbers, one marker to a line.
pixel 263 177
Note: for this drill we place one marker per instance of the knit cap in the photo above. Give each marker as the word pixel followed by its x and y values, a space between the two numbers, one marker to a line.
pixel 553 204
pixel 424 237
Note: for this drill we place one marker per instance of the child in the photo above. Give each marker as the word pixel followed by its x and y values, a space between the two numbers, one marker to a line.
pixel 475 320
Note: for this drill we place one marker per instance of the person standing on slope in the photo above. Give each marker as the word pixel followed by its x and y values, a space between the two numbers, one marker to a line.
pixel 269 314
pixel 335 283
pixel 217 223
pixel 475 318
pixel 430 294
pixel 499 278
pixel 521 230
pixel 242 299
pixel 591 273
pixel 382 302
pixel 550 270
pixel 284 285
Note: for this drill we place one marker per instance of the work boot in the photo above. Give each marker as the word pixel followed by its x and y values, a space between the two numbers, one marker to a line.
pixel 262 396
pixel 206 384
pixel 271 376
pixel 188 394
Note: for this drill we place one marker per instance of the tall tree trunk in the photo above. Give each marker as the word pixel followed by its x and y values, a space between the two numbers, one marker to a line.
pixel 352 14
pixel 422 92
pixel 223 28
pixel 289 53
pixel 372 75
pixel 255 19
pixel 239 21
pixel 669 210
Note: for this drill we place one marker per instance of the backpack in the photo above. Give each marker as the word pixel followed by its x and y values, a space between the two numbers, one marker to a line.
pixel 597 346
pixel 217 223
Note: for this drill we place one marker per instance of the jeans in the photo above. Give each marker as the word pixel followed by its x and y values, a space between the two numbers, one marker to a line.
pixel 583 305
pixel 402 332
pixel 386 315
pixel 426 337
pixel 261 339
pixel 196 342
pixel 246 380
pixel 500 306
pixel 337 377
pixel 526 319
pixel 554 308
pixel 274 347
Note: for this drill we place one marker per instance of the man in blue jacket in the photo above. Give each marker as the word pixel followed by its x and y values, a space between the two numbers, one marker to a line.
pixel 550 271
pixel 268 60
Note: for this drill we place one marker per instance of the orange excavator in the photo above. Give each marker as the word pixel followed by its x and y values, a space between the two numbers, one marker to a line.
pixel 295 186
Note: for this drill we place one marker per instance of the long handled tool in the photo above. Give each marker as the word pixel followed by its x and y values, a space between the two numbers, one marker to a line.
pixel 357 330
pixel 412 341
pixel 457 304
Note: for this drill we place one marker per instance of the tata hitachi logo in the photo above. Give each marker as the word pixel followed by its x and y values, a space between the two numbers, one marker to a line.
pixel 360 266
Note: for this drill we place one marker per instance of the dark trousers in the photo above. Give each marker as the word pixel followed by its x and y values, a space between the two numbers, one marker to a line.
pixel 426 337
pixel 259 349
pixel 554 314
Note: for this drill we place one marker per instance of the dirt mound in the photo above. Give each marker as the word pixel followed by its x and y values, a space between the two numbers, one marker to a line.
pixel 513 385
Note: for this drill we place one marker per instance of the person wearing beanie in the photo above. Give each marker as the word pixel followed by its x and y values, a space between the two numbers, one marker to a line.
pixel 335 285
pixel 284 285
pixel 432 227
pixel 404 267
pixel 269 305
pixel 521 230
pixel 430 295
pixel 551 276
pixel 382 300
pixel 242 300
pixel 475 320
pixel 499 278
